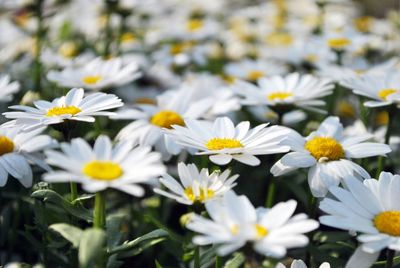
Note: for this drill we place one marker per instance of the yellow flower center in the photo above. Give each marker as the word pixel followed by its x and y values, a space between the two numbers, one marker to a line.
pixel 223 143
pixel 205 194
pixel 57 111
pixel 346 109
pixel 68 49
pixel 128 37
pixel 325 149
pixel 261 231
pixel 234 229
pixel 194 25
pixel 102 170
pixel 384 93
pixel 338 43
pixel 388 222
pixel 91 79
pixel 254 75
pixel 278 39
pixel 279 95
pixel 6 145
pixel 363 24
pixel 166 119
pixel 179 48
pixel 382 118
pixel 145 100
pixel 311 58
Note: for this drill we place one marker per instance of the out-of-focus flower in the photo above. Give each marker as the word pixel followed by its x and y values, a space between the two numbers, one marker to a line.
pixel 301 264
pixel 7 88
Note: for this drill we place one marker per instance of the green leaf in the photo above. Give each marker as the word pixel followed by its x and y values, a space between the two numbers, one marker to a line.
pixel 237 260
pixel 139 249
pixel 56 199
pixel 158 265
pixel 91 247
pixel 153 235
pixel 114 230
pixel 69 232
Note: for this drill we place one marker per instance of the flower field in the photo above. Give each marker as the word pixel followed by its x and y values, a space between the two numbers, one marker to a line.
pixel 194 134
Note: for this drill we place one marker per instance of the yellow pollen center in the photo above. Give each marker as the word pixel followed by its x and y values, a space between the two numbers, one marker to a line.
pixel 128 37
pixel 384 93
pixel 388 222
pixel 91 79
pixel 166 119
pixel 325 148
pixel 179 48
pixel 204 194
pixel 57 111
pixel 279 95
pixel 223 143
pixel 254 75
pixel 68 49
pixel 278 39
pixel 194 25
pixel 102 170
pixel 261 231
pixel 311 58
pixel 338 43
pixel 234 229
pixel 363 24
pixel 145 100
pixel 6 145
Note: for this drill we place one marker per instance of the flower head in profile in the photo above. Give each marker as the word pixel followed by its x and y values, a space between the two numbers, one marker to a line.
pixel 73 106
pixel 370 208
pixel 383 89
pixel 327 153
pixel 7 88
pixel 97 74
pixel 121 166
pixel 253 70
pixel 19 149
pixel 302 91
pixel 224 141
pixel 197 186
pixel 235 221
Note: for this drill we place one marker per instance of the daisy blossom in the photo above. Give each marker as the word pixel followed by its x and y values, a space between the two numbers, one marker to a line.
pixel 97 74
pixel 121 166
pixel 234 222
pixel 197 186
pixel 327 152
pixel 18 149
pixel 224 142
pixel 7 88
pixel 301 264
pixel 73 106
pixel 372 209
pixel 302 91
pixel 384 89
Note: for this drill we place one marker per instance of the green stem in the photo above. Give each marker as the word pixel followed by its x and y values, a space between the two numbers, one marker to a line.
pixel 197 257
pixel 99 213
pixel 271 193
pixel 218 262
pixel 122 29
pixel 389 258
pixel 108 33
pixel 382 159
pixel 37 68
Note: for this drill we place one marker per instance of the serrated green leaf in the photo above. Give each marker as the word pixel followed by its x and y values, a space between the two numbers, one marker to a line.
pixel 237 260
pixel 153 235
pixel 91 247
pixel 54 198
pixel 69 232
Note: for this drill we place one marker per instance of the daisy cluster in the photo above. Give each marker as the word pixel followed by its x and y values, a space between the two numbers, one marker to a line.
pixel 186 133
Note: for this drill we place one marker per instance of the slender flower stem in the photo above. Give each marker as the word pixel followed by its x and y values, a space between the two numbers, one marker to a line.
pixel 271 193
pixel 382 159
pixel 218 262
pixel 99 213
pixel 108 32
pixel 37 68
pixel 389 258
pixel 197 257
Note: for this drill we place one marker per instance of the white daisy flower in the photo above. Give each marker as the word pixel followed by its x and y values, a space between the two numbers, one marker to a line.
pixel 224 142
pixel 301 264
pixel 172 108
pixel 234 221
pixel 371 208
pixel 97 74
pixel 253 70
pixel 18 149
pixel 384 89
pixel 7 88
pixel 302 91
pixel 195 185
pixel 121 166
pixel 327 152
pixel 73 106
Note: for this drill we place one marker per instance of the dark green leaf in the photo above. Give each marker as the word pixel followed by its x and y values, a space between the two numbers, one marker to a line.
pixel 69 232
pixel 237 260
pixel 91 247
